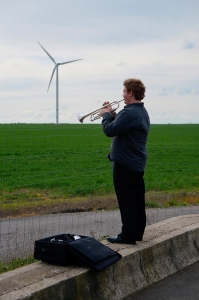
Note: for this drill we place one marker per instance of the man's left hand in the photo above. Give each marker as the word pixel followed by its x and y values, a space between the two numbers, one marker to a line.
pixel 107 108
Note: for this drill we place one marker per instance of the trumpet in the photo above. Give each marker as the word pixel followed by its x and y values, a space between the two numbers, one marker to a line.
pixel 94 115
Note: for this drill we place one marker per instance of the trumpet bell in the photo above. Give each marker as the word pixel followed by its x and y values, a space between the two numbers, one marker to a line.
pixel 80 118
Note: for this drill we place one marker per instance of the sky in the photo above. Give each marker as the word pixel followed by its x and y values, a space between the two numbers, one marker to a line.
pixel 156 41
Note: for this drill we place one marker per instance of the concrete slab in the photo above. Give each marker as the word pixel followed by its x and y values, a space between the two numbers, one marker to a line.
pixel 168 247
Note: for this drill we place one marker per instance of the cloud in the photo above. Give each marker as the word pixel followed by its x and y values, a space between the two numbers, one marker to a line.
pixel 28 113
pixel 184 92
pixel 171 116
pixel 190 45
pixel 166 92
pixel 121 64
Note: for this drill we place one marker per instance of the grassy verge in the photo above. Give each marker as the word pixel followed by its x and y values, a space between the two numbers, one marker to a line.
pixel 33 201
pixel 172 198
pixel 16 263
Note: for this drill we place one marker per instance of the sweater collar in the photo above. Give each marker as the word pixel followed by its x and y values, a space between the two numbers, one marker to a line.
pixel 135 104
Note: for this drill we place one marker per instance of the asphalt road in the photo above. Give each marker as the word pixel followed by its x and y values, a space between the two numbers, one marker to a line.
pixel 17 235
pixel 183 285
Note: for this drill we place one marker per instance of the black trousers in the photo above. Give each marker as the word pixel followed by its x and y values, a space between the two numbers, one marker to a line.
pixel 130 191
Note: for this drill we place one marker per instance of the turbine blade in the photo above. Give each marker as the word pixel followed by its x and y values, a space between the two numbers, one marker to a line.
pixel 47 53
pixel 51 77
pixel 67 62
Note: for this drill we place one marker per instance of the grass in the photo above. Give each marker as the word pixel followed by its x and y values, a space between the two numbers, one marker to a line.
pixel 168 199
pixel 173 158
pixel 48 168
pixel 45 168
pixel 33 202
pixel 67 157
pixel 15 263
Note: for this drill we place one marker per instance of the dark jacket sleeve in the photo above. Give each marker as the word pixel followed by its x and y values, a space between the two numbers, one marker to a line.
pixel 122 123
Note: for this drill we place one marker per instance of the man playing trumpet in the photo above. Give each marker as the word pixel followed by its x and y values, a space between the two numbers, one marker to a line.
pixel 129 131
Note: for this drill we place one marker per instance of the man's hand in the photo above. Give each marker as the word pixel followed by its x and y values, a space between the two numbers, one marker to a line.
pixel 107 108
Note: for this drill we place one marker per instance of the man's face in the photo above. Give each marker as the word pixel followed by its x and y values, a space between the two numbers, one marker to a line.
pixel 127 96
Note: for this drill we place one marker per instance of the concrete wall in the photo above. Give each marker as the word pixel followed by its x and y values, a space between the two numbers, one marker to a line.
pixel 168 247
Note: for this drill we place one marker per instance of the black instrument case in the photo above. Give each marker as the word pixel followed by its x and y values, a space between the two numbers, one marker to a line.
pixel 65 249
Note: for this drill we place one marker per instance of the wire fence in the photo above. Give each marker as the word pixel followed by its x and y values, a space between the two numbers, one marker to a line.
pixel 56 179
pixel 18 234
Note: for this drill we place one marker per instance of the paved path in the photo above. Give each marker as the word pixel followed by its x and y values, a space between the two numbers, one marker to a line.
pixel 184 285
pixel 17 235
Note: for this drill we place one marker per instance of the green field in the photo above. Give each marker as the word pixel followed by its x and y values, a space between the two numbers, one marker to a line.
pixel 40 162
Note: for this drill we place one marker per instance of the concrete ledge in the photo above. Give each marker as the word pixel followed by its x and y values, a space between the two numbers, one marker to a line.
pixel 168 247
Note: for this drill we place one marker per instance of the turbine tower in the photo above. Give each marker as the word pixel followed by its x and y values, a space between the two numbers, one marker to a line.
pixel 57 80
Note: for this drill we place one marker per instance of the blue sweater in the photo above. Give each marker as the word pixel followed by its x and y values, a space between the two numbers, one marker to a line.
pixel 129 130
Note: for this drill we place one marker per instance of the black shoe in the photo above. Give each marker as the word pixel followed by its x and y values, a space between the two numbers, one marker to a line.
pixel 120 240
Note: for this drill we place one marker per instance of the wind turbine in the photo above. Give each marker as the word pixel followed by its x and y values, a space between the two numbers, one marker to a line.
pixel 57 80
